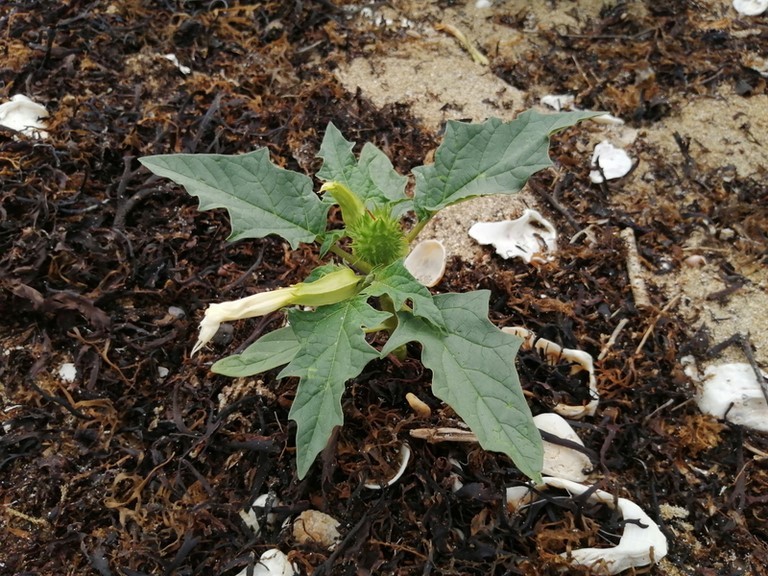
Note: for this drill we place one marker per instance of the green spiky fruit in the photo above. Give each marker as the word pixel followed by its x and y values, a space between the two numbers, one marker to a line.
pixel 377 238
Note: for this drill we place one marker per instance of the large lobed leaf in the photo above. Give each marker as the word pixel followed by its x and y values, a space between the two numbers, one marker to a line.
pixel 372 177
pixel 493 157
pixel 333 350
pixel 261 198
pixel 473 371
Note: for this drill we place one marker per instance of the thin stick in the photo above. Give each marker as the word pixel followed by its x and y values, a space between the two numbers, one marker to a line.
pixel 634 270
pixel 477 56
pixel 612 339
pixel 650 328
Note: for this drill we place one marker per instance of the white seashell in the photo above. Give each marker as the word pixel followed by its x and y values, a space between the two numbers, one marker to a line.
pixel 526 237
pixel 314 527
pixel 750 7
pixel 272 563
pixel 614 162
pixel 480 4
pixel 642 542
pixel 558 101
pixel 561 461
pixel 553 353
pixel 24 115
pixel 638 546
pixel 405 457
pixel 732 392
pixel 426 262
pixel 255 512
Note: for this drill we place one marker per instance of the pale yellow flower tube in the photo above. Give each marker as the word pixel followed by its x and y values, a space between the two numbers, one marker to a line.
pixel 329 289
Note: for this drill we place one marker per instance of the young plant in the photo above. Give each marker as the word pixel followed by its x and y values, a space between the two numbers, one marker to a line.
pixel 368 288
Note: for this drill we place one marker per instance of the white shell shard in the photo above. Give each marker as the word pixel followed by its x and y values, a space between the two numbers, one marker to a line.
pixel 608 119
pixel 519 496
pixel 527 237
pixel 405 457
pixel 558 101
pixel 256 510
pixel 68 372
pixel 732 392
pixel 272 563
pixel 175 61
pixel 750 7
pixel 553 353
pixel 426 262
pixel 614 162
pixel 314 527
pixel 24 115
pixel 561 461
pixel 641 544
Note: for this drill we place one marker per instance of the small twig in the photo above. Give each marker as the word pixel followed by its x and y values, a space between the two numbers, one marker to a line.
pixel 551 199
pixel 436 435
pixel 477 56
pixel 234 284
pixel 634 270
pixel 612 340
pixel 652 325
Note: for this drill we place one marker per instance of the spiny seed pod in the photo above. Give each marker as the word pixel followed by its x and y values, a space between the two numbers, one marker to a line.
pixel 377 238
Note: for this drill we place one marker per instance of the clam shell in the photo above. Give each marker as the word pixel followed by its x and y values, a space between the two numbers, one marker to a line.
pixel 426 262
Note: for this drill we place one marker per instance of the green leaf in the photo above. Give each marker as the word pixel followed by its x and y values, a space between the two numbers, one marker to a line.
pixel 261 198
pixel 493 157
pixel 473 371
pixel 270 351
pixel 329 239
pixel 333 350
pixel 372 178
pixel 396 282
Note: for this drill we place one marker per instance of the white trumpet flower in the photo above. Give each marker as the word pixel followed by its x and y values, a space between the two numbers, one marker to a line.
pixel 331 288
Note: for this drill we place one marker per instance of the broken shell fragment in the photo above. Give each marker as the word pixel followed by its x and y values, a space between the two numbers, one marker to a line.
pixel 314 527
pixel 562 461
pixel 558 101
pixel 519 496
pixel 641 544
pixel 426 262
pixel 553 354
pixel 272 563
pixel 405 457
pixel 732 392
pixel 750 7
pixel 526 237
pixel 256 511
pixel 24 115
pixel 612 162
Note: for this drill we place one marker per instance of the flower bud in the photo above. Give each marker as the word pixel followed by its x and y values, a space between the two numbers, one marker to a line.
pixel 352 208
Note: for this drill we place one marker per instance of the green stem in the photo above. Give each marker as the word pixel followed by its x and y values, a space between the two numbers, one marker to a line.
pixel 413 232
pixel 350 259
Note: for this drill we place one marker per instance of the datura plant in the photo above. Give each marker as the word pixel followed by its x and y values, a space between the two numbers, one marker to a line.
pixel 365 287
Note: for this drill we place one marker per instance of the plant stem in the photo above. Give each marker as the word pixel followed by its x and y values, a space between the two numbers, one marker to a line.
pixel 413 232
pixel 361 265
